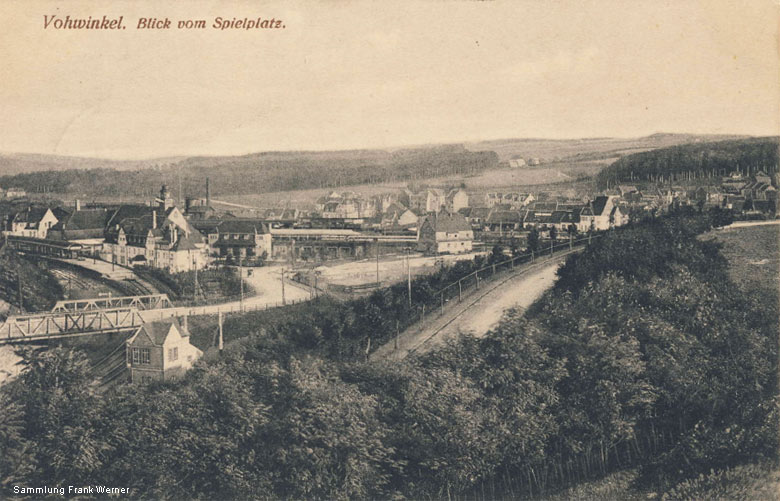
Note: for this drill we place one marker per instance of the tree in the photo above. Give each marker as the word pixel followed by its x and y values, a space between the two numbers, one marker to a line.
pixel 514 246
pixel 62 415
pixel 533 240
pixel 721 217
pixel 553 236
pixel 496 254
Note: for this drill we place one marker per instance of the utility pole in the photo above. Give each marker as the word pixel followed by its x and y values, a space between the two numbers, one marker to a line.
pixel 376 248
pixel 195 292
pixel 19 292
pixel 284 302
pixel 220 343
pixel 241 280
pixel 409 274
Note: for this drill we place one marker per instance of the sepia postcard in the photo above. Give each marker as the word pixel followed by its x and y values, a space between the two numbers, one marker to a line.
pixel 363 250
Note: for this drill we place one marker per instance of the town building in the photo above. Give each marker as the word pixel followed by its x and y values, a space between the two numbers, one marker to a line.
pixel 33 222
pixel 445 232
pixel 456 199
pixel 427 201
pixel 12 193
pixel 236 238
pixel 396 216
pixel 602 213
pixel 157 236
pixel 476 216
pixel 517 163
pixel 505 221
pixel 160 351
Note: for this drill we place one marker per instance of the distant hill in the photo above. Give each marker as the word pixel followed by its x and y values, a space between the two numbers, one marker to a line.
pixel 263 172
pixel 17 163
pixel 549 150
pixel 281 171
pixel 693 160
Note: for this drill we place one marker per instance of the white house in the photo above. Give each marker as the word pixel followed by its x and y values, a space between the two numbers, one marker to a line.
pixel 445 232
pixel 32 222
pixel 160 351
pixel 456 200
pixel 602 214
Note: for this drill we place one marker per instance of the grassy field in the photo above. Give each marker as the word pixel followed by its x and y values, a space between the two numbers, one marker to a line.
pixel 754 257
pixel 554 176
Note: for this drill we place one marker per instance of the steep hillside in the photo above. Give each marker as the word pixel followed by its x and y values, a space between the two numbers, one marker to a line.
pixel 40 290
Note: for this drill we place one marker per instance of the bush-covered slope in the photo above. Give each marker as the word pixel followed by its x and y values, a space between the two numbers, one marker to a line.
pixel 39 289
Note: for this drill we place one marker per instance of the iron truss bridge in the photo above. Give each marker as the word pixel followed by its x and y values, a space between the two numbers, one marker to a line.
pixel 149 302
pixel 56 325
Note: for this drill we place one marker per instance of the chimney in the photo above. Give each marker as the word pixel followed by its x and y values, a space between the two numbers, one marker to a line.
pixel 184 325
pixel 154 219
pixel 208 194
pixel 187 204
pixel 78 204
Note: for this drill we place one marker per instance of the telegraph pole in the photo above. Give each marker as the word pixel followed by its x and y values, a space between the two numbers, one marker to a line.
pixel 376 248
pixel 19 292
pixel 220 344
pixel 284 302
pixel 195 292
pixel 409 274
pixel 241 280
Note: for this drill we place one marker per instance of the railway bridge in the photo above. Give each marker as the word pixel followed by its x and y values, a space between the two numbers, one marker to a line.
pixel 145 302
pixel 63 324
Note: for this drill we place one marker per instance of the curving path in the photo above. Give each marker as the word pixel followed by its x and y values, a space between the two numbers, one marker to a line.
pixel 477 313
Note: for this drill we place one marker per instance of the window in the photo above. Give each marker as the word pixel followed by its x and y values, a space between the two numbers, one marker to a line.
pixel 140 356
pixel 173 354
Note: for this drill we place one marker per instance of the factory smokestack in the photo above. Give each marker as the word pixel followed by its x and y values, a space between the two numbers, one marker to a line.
pixel 208 194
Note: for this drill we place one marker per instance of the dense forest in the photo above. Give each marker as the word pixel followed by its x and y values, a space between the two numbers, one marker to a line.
pixel 643 355
pixel 694 161
pixel 263 172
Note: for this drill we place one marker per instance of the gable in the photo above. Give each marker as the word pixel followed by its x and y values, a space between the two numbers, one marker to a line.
pixel 141 338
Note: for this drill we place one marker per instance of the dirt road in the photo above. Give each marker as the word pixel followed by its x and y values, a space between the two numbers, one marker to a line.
pixel 267 284
pixel 478 313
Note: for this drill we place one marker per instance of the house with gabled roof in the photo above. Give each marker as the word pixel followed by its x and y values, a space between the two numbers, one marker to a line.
pixel 398 216
pixel 157 235
pixel 445 232
pixel 430 200
pixel 504 221
pixel 457 199
pixel 602 213
pixel 81 224
pixel 236 237
pixel 562 220
pixel 33 222
pixel 160 351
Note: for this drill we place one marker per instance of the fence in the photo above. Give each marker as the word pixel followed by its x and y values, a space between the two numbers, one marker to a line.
pixel 475 280
pixel 152 315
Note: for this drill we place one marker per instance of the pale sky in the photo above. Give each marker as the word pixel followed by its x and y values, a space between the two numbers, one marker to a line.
pixel 350 74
